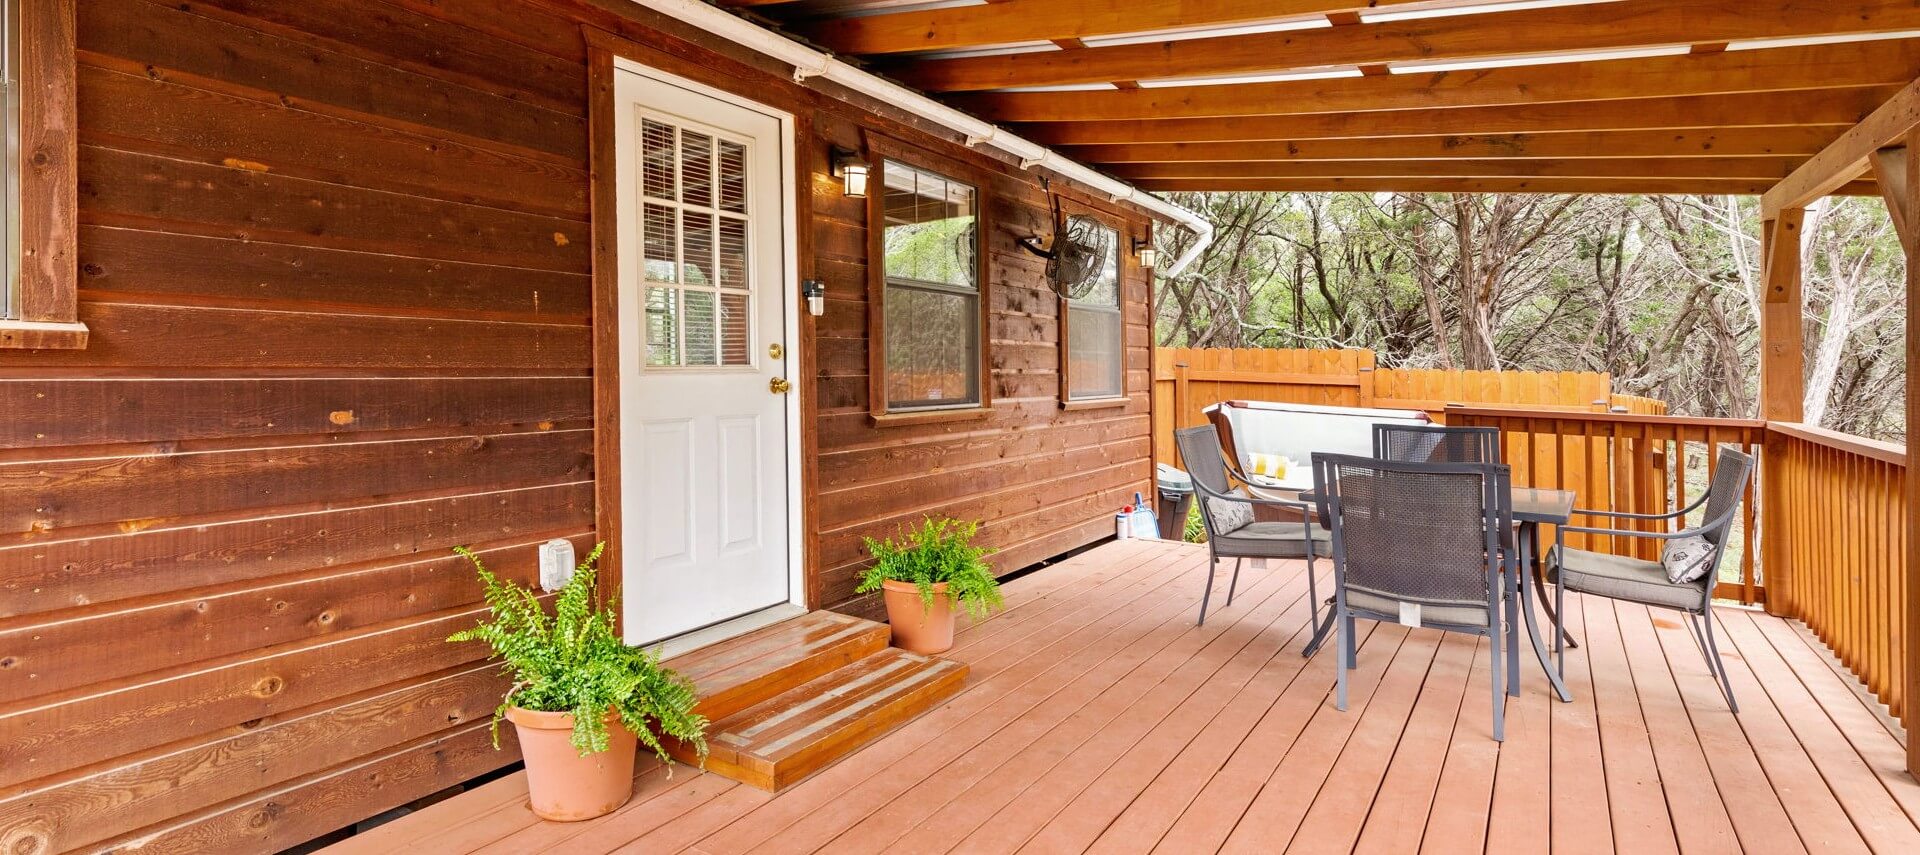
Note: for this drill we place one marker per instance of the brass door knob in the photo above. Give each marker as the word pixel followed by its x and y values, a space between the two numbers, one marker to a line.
pixel 779 386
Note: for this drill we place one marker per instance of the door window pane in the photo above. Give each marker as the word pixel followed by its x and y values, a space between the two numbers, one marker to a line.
pixel 930 251
pixel 694 242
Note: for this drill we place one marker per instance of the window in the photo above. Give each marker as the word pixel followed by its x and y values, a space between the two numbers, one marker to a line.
pixel 1095 335
pixel 931 330
pixel 38 303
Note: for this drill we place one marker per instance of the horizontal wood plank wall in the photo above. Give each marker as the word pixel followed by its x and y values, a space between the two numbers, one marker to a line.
pixel 1043 479
pixel 334 255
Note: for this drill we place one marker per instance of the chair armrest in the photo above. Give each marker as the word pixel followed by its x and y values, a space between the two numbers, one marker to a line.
pixel 1633 516
pixel 1617 532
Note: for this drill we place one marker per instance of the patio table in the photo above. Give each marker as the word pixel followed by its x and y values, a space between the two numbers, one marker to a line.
pixel 1532 506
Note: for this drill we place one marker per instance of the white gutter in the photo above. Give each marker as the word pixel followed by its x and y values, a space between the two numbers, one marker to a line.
pixel 808 62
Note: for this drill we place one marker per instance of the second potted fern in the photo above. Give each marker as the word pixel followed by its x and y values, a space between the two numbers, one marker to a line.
pixel 924 575
pixel 581 701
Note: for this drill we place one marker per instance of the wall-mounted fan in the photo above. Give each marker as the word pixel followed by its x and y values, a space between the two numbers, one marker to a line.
pixel 1076 252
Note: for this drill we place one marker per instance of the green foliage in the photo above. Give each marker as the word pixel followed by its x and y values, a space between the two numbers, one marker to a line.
pixel 574 662
pixel 938 551
pixel 1195 530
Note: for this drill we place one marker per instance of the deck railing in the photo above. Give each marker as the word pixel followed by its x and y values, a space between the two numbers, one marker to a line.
pixel 1629 462
pixel 1837 529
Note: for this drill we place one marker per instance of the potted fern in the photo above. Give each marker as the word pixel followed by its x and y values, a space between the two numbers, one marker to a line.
pixel 924 574
pixel 581 701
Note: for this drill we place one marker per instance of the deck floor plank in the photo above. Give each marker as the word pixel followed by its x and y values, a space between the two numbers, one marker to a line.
pixel 1580 818
pixel 1099 718
pixel 1398 816
pixel 1457 822
pixel 1636 802
pixel 1854 782
pixel 1760 821
pixel 1124 716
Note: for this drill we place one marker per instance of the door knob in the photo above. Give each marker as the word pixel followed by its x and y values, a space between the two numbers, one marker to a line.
pixel 779 386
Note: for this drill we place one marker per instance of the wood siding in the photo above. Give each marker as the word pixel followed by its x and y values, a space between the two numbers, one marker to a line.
pixel 335 259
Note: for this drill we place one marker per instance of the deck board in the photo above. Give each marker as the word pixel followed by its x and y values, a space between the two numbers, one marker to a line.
pixel 1099 718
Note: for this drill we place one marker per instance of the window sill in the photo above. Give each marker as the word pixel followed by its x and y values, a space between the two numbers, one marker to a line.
pixel 42 335
pixel 929 417
pixel 1094 403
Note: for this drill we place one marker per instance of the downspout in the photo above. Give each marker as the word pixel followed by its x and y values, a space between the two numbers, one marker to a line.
pixel 808 62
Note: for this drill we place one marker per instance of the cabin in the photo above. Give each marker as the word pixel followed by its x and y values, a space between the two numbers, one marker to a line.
pixel 303 295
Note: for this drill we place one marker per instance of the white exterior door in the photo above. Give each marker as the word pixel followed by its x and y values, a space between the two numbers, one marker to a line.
pixel 704 430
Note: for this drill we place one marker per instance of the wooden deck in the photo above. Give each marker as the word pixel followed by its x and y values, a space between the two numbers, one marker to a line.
pixel 1099 718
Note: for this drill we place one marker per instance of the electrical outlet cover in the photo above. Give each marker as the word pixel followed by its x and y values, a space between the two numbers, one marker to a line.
pixel 556 564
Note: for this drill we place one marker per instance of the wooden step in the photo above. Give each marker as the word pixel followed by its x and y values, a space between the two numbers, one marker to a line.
pixel 779 741
pixel 741 672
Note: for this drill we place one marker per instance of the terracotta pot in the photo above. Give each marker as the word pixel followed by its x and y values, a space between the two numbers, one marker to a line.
pixel 561 784
pixel 916 626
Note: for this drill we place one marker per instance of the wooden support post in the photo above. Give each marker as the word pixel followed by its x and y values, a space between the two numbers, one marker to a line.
pixel 1782 386
pixel 1908 188
pixel 1782 339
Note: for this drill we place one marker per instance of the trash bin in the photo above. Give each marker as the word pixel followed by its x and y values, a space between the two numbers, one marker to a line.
pixel 1176 498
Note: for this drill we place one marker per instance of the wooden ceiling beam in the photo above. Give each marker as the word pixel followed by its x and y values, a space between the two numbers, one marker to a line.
pixel 1045 20
pixel 1732 142
pixel 1621 25
pixel 1880 63
pixel 1846 158
pixel 1833 109
pixel 1403 184
pixel 1749 168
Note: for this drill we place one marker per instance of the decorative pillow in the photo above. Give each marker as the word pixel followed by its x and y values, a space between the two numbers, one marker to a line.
pixel 1228 516
pixel 1686 559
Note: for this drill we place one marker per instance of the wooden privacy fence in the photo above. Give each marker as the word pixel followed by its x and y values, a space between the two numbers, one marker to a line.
pixel 1838 527
pixel 1189 380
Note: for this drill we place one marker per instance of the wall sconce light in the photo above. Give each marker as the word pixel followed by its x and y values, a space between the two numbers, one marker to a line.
pixel 851 169
pixel 1149 257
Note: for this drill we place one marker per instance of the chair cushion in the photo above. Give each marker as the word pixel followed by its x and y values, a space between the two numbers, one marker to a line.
pixel 1429 614
pixel 1273 540
pixel 1622 578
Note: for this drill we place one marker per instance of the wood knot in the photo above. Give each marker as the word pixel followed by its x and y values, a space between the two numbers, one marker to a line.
pixel 268 687
pixel 9 663
pixel 265 815
pixel 32 837
pixel 341 417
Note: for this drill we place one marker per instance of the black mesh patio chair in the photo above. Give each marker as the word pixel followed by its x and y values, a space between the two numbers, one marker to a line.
pixel 1418 544
pixel 1227 513
pixel 1635 580
pixel 1436 444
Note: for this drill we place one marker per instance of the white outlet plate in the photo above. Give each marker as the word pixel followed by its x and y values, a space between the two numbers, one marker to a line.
pixel 556 564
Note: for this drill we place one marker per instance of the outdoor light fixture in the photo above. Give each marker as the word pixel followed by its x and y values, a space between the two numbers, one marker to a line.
pixel 1149 257
pixel 851 169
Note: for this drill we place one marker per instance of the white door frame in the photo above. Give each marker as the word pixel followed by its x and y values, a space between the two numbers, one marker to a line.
pixel 789 362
